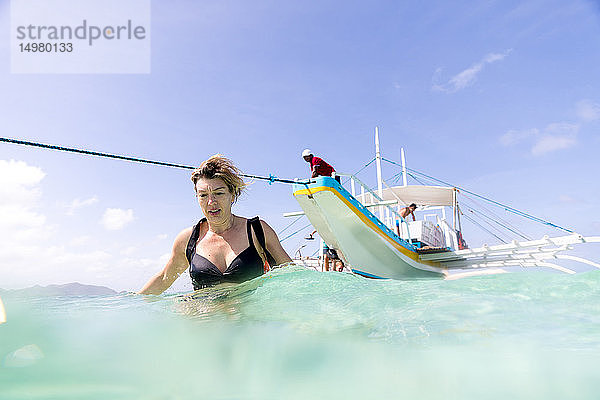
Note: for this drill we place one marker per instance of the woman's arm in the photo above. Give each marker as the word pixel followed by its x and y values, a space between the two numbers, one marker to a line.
pixel 274 246
pixel 176 265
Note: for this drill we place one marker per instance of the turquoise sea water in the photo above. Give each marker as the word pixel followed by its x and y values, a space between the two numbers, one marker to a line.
pixel 301 334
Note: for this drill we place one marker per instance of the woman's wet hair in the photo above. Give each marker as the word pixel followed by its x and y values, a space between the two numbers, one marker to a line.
pixel 221 167
pixel 413 205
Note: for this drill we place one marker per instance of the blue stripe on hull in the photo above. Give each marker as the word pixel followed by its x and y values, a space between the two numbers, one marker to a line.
pixel 367 275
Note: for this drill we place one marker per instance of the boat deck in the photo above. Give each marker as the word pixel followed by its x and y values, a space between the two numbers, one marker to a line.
pixel 432 250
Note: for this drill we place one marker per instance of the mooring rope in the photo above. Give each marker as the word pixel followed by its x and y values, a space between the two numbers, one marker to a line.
pixel 270 178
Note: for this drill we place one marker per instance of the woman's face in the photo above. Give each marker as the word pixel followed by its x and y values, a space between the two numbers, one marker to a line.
pixel 215 199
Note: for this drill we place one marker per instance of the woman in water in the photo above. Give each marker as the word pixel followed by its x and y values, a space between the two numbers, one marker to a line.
pixel 222 247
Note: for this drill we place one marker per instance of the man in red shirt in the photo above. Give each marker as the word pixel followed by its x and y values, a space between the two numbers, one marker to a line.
pixel 318 166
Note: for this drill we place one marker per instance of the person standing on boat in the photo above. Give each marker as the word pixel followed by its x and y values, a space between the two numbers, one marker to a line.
pixel 330 254
pixel 222 247
pixel 410 210
pixel 318 166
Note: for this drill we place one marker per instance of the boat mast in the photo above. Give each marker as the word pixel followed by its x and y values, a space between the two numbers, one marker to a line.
pixel 454 210
pixel 378 162
pixel 403 166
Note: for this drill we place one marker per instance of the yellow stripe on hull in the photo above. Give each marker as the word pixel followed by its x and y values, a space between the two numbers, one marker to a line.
pixel 360 240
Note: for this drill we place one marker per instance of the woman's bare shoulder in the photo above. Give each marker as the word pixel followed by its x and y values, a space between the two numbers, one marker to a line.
pixel 183 237
pixel 266 227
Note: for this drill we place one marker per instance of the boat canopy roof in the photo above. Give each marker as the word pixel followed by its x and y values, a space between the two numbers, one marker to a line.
pixel 421 195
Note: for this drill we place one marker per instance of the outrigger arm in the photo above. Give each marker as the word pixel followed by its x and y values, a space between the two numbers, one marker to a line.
pixel 532 253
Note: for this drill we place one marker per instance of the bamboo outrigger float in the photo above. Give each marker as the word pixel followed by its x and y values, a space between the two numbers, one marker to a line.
pixel 373 239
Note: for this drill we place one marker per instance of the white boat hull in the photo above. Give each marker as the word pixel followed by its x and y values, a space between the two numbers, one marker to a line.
pixel 364 244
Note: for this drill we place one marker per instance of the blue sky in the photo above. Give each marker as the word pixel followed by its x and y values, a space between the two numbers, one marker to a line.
pixel 500 97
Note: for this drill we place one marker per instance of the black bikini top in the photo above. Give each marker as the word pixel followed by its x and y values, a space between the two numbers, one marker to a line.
pixel 245 266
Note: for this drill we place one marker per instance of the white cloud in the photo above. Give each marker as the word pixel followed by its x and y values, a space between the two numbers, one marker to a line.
pixel 19 183
pixel 15 215
pixel 562 129
pixel 18 173
pixel 22 226
pixel 19 194
pixel 92 260
pixel 556 136
pixel 513 136
pixel 493 57
pixel 28 235
pixel 129 251
pixel 548 144
pixel 588 111
pixel 564 198
pixel 116 218
pixel 80 240
pixel 468 76
pixel 78 203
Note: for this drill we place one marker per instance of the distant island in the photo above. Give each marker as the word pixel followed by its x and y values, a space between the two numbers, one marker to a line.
pixel 68 289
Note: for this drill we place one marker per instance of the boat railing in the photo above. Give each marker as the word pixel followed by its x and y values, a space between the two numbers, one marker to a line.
pixel 385 212
pixel 450 238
